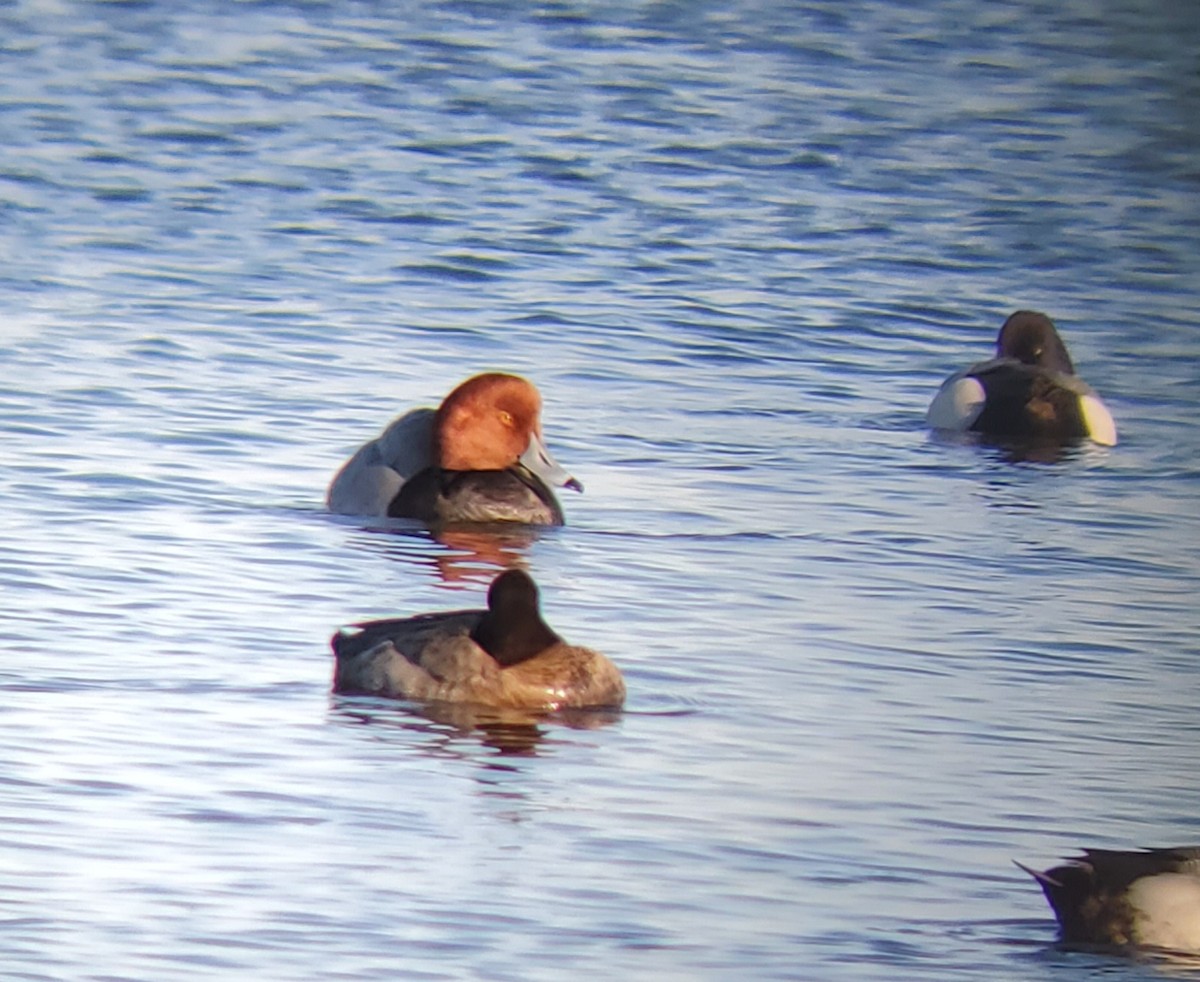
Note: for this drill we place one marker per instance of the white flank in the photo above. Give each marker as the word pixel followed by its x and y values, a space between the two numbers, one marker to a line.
pixel 1169 905
pixel 957 405
pixel 1098 420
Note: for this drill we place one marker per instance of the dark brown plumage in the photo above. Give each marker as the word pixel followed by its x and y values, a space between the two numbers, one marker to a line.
pixel 1028 393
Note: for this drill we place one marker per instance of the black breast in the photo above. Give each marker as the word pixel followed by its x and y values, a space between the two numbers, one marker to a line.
pixel 437 496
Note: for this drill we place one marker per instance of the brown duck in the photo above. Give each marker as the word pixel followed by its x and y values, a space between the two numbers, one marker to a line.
pixel 505 657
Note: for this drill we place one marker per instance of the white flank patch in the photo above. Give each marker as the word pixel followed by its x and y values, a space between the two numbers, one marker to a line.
pixel 1169 905
pixel 1098 420
pixel 957 405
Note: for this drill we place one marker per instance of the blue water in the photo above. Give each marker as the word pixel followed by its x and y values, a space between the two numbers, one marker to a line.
pixel 737 246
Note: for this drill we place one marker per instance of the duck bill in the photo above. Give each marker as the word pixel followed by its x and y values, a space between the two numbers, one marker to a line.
pixel 537 460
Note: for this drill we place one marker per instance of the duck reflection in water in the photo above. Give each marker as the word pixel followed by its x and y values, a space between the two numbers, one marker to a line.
pixel 1010 450
pixel 474 555
pixel 458 556
pixel 513 733
pixel 503 658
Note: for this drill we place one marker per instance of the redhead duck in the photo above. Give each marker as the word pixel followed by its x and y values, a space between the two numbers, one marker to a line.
pixel 478 458
pixel 1146 898
pixel 1029 391
pixel 504 657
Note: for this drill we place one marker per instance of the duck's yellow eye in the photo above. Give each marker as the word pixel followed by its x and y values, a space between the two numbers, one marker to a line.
pixel 506 417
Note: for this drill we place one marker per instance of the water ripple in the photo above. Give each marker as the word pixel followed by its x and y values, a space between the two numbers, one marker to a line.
pixel 738 249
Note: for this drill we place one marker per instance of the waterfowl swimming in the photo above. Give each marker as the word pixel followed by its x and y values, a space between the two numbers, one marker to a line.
pixel 1029 391
pixel 1144 898
pixel 505 657
pixel 478 458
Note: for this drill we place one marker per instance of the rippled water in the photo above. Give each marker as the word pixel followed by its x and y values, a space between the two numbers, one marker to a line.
pixel 737 247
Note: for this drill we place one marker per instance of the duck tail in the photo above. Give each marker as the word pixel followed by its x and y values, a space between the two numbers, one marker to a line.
pixel 1042 878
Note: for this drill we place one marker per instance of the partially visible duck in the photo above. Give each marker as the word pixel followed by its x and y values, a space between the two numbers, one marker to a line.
pixel 1144 898
pixel 478 458
pixel 1029 391
pixel 505 657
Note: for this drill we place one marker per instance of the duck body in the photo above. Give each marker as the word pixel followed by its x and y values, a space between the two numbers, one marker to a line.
pixel 370 480
pixel 478 458
pixel 1140 898
pixel 441 497
pixel 505 657
pixel 1028 392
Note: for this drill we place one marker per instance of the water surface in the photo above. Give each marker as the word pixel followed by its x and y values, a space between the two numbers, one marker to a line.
pixel 737 247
